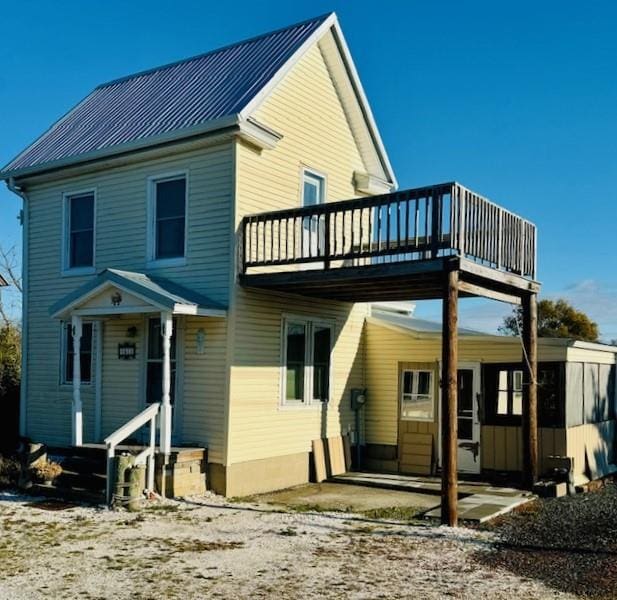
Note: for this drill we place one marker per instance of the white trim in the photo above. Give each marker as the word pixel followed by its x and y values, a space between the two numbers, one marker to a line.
pixel 151 182
pixel 259 135
pixel 370 184
pixel 309 323
pixel 66 269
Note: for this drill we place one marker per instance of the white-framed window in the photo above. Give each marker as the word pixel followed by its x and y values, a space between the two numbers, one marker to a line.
pixel 167 219
pixel 510 393
pixel 313 188
pixel 85 347
pixel 306 361
pixel 417 399
pixel 79 234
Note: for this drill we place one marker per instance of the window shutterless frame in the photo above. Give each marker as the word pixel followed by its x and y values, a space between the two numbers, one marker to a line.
pixel 151 241
pixel 308 372
pixel 66 269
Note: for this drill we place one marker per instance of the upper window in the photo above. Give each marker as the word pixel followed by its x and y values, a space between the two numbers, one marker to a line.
pixel 168 223
pixel 85 354
pixel 417 395
pixel 307 352
pixel 79 248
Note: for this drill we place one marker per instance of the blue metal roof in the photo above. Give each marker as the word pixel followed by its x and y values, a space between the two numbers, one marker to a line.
pixel 171 98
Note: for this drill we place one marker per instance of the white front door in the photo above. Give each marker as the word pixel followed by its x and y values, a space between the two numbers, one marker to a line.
pixel 468 418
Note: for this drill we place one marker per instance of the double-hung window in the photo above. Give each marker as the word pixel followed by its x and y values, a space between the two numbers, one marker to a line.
pixel 168 212
pixel 79 232
pixel 85 353
pixel 307 352
pixel 417 395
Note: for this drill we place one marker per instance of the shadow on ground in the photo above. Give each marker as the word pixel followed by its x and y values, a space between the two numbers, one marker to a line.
pixel 585 574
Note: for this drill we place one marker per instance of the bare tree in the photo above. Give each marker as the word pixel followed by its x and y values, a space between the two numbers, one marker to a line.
pixel 10 270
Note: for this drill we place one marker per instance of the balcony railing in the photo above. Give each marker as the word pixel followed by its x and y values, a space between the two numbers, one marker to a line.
pixel 416 224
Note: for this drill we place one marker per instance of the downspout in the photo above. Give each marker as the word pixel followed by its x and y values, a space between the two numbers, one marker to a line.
pixel 24 303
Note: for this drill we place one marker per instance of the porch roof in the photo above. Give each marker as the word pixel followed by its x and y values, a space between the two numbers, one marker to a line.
pixel 148 294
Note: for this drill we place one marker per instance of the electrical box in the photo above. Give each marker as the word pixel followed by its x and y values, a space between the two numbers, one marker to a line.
pixel 358 398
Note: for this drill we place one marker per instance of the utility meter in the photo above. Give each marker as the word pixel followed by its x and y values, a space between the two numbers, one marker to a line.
pixel 358 398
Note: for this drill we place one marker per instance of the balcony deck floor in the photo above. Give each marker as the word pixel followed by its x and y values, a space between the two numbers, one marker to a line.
pixel 411 280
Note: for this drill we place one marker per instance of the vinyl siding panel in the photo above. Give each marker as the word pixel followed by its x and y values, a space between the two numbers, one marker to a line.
pixel 387 347
pixel 121 218
pixel 306 110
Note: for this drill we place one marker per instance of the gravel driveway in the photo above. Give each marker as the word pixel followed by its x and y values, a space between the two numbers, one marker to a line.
pixel 208 547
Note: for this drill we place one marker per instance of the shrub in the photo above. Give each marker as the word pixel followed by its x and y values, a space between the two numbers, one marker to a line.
pixel 9 471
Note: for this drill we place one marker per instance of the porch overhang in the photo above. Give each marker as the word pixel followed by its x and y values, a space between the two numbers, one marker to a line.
pixel 115 292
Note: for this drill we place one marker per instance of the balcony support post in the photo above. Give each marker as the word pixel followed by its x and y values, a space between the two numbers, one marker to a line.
pixel 530 390
pixel 449 384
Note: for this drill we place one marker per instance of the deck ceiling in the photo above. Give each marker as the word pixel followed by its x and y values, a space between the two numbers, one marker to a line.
pixel 417 280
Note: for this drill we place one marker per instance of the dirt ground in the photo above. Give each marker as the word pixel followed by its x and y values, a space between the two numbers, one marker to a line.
pixel 210 547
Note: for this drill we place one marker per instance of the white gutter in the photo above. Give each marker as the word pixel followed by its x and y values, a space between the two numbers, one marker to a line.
pixel 24 303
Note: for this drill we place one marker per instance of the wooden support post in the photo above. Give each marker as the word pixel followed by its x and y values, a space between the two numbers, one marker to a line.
pixel 449 383
pixel 530 390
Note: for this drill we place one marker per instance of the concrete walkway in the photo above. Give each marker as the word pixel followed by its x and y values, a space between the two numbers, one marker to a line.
pixel 478 501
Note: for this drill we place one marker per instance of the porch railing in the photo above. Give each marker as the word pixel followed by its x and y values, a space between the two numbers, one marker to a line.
pixel 429 222
pixel 146 456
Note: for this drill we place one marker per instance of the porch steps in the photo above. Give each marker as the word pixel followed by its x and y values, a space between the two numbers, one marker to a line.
pixel 83 476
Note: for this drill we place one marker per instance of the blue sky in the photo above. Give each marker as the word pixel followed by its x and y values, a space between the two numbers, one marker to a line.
pixel 517 101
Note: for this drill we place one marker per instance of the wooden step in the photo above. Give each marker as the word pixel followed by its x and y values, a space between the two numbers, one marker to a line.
pixel 68 493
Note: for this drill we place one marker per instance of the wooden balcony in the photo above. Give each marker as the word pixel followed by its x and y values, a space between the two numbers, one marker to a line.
pixel 391 247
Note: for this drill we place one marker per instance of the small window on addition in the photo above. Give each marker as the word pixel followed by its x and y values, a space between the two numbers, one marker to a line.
pixel 510 393
pixel 417 396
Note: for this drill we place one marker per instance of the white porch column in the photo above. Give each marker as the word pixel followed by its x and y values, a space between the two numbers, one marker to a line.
pixel 166 332
pixel 77 420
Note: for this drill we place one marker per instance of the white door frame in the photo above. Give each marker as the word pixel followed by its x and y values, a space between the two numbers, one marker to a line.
pixel 476 367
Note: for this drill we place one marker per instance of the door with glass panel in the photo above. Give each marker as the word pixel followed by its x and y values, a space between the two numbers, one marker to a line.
pixel 313 227
pixel 468 418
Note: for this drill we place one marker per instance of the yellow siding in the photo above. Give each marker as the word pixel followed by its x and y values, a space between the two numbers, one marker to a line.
pixel 305 109
pixel 120 243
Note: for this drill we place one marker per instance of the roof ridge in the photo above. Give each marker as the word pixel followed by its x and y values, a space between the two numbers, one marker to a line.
pixel 320 18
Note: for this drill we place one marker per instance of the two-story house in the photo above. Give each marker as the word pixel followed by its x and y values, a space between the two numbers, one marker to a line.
pixel 182 250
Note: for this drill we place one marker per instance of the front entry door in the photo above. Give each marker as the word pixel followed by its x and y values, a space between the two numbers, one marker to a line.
pixel 468 419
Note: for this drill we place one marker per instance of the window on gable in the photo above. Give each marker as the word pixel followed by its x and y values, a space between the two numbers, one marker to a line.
pixel 307 361
pixel 85 353
pixel 80 234
pixel 169 218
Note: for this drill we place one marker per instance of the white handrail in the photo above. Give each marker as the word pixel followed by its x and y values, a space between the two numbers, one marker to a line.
pixel 111 441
